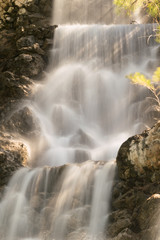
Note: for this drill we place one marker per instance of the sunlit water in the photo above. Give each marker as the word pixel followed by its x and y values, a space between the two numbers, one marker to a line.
pixel 86 108
pixel 86 12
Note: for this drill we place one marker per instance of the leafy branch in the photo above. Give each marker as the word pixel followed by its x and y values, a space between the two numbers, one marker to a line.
pixel 152 84
pixel 152 7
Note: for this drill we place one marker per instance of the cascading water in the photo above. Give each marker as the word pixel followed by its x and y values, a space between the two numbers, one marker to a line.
pixel 88 113
pixel 86 109
pixel 86 12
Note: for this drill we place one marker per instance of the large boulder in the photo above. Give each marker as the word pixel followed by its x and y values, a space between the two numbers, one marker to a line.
pixel 139 156
pixel 137 190
pixel 34 62
pixel 22 122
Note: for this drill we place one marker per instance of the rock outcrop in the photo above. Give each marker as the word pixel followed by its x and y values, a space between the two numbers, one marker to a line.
pixel 16 13
pixel 136 200
pixel 139 157
pixel 26 39
pixel 13 155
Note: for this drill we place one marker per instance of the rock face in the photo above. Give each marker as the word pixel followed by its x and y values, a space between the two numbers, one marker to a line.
pixel 24 52
pixel 26 38
pixel 17 12
pixel 139 156
pixel 13 155
pixel 22 122
pixel 136 200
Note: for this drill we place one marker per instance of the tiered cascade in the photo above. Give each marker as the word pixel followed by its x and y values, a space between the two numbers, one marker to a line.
pixel 86 108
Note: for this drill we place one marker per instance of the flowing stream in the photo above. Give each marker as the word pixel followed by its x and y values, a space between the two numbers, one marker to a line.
pixel 86 108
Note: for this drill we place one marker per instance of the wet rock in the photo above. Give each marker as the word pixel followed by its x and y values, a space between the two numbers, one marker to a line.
pixel 36 202
pixel 46 6
pixel 48 43
pixel 150 233
pixel 27 41
pixel 81 234
pixel 148 213
pixel 81 138
pixel 139 203
pixel 126 234
pixel 23 122
pixel 13 154
pixel 119 220
pixel 139 156
pixel 39 32
pixel 35 48
pixel 126 200
pixel 82 156
pixel 7 46
pixel 30 65
pixel 129 199
pixel 74 220
pixel 25 25
pixel 13 87
pixel 33 8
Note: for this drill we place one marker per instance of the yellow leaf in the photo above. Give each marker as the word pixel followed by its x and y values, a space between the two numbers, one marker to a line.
pixel 156 75
pixel 140 79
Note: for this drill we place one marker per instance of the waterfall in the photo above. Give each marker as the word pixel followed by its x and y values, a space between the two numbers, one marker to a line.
pixel 86 108
pixel 81 11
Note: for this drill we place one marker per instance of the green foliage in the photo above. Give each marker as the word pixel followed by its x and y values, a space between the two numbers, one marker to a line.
pixel 152 6
pixel 152 84
pixel 128 5
pixel 153 9
pixel 158 34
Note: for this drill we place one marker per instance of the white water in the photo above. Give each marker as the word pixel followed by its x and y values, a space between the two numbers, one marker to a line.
pixel 66 206
pixel 86 12
pixel 86 109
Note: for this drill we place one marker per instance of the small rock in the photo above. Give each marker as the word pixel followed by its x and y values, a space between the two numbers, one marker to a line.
pixel 34 62
pixel 25 41
pixel 22 11
pixel 23 122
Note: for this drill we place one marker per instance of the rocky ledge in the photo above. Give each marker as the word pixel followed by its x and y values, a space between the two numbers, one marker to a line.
pixel 139 157
pixel 136 193
pixel 26 40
